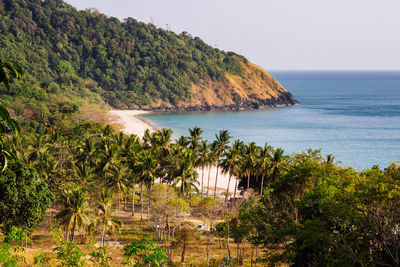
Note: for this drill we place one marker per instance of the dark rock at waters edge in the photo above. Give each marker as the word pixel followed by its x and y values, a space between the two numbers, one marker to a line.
pixel 284 100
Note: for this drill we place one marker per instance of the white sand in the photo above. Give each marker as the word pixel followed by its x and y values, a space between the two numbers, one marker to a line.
pixel 132 123
pixel 136 125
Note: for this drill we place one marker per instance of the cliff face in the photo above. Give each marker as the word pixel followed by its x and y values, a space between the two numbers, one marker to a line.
pixel 255 89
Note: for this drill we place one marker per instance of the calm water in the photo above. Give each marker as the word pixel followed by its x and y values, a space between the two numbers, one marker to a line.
pixel 353 115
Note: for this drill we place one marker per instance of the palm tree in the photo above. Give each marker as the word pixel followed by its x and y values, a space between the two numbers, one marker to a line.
pixel 186 174
pixel 84 173
pixel 147 168
pixel 277 163
pixel 194 138
pixel 183 141
pixel 116 178
pixel 130 153
pixel 105 211
pixel 251 152
pixel 75 210
pixel 230 161
pixel 203 160
pixel 264 164
pixel 87 152
pixel 219 146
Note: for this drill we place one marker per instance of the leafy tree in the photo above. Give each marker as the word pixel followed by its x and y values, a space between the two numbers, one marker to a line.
pixel 144 253
pixel 24 198
pixel 70 254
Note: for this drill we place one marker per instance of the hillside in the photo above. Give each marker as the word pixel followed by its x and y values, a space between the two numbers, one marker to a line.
pixel 72 56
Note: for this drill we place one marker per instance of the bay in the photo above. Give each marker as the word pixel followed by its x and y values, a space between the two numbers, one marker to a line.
pixel 354 116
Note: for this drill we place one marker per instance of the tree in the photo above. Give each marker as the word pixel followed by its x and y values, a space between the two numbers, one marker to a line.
pixel 8 70
pixel 203 161
pixel 105 209
pixel 24 198
pixel 211 210
pixel 186 174
pixel 250 156
pixel 264 164
pixel 230 162
pixel 184 235
pixel 144 253
pixel 75 210
pixel 277 163
pixel 219 146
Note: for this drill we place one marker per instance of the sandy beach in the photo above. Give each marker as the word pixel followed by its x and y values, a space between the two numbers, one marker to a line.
pixel 136 125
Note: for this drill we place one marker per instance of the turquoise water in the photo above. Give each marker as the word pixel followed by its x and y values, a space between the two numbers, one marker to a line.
pixel 353 115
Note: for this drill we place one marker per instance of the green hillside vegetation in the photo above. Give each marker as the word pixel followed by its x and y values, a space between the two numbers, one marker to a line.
pixel 85 54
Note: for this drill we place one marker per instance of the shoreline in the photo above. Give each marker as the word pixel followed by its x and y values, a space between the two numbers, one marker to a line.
pixel 133 124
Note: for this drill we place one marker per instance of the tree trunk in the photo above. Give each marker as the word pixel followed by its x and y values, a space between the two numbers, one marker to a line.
pixel 133 198
pixel 227 188
pixel 202 182
pixel 234 192
pixel 208 251
pixel 262 185
pixel 252 252
pixel 248 180
pixel 227 242
pixel 208 183
pixel 255 263
pixel 183 252
pixel 141 201
pixel 73 231
pixel 237 252
pixel 103 236
pixel 216 180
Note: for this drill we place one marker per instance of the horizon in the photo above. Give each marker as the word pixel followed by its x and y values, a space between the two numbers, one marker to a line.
pixel 309 36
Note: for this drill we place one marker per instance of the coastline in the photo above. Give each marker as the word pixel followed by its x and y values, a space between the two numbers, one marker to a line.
pixel 133 124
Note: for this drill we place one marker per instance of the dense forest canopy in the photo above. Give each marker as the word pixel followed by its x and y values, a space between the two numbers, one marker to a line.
pixel 85 53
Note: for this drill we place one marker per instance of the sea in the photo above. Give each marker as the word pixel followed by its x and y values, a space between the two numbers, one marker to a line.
pixel 355 116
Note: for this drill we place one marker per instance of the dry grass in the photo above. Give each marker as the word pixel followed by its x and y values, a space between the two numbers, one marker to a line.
pixel 43 240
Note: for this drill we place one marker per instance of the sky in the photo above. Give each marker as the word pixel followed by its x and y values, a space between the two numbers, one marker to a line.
pixel 280 34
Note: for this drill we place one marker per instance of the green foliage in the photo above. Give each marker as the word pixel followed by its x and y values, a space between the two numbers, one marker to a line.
pixel 144 253
pixel 69 254
pixel 42 258
pixel 101 257
pixel 9 254
pixel 128 64
pixel 24 198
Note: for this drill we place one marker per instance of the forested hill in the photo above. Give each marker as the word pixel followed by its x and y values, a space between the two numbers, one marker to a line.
pixel 73 54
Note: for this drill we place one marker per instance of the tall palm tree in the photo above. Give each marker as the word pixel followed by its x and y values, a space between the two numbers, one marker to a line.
pixel 230 161
pixel 219 146
pixel 186 174
pixel 251 153
pixel 147 169
pixel 116 178
pixel 264 163
pixel 75 210
pixel 203 160
pixel 130 153
pixel 105 211
pixel 277 163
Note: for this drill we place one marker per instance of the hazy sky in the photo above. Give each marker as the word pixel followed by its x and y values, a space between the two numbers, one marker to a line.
pixel 280 34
